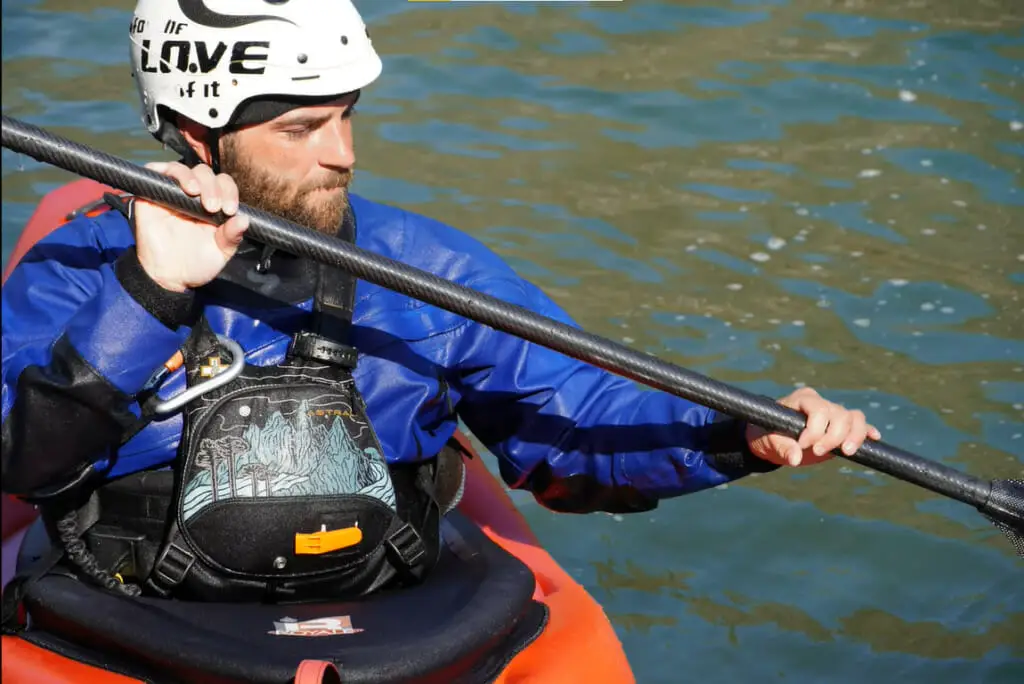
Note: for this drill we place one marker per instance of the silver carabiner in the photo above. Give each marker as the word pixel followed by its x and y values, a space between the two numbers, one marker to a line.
pixel 224 377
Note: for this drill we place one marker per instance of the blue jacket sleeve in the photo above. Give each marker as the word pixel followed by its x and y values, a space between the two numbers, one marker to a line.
pixel 580 438
pixel 77 347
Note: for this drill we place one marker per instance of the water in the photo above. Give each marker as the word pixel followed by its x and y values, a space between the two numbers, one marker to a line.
pixel 770 192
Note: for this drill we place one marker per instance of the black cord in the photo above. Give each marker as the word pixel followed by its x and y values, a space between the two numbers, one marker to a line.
pixel 82 558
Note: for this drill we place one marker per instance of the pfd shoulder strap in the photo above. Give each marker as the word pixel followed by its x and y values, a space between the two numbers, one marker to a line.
pixel 333 306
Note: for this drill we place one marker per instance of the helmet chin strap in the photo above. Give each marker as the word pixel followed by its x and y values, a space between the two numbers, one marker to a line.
pixel 213 143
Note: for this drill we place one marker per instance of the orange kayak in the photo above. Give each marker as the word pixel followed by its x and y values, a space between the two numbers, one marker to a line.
pixel 572 642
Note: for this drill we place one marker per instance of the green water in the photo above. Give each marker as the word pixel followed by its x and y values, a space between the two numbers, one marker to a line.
pixel 769 192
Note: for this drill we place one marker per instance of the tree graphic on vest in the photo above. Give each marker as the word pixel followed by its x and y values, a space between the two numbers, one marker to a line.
pixel 299 453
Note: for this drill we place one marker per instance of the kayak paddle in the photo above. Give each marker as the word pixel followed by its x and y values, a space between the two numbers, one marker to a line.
pixel 1002 501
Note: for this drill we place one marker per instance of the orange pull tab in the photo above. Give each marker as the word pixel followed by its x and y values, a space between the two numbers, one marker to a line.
pixel 326 540
pixel 175 362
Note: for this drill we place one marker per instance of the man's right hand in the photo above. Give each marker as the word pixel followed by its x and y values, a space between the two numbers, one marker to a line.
pixel 178 252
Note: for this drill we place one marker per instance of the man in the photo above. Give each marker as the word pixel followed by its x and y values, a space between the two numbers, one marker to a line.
pixel 259 106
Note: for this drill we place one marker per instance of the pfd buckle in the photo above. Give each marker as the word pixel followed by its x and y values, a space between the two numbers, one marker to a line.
pixel 217 380
pixel 170 569
pixel 315 347
pixel 406 547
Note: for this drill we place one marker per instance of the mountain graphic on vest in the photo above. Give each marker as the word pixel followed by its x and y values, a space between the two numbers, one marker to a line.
pixel 304 452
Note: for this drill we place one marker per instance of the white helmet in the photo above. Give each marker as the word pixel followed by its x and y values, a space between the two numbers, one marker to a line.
pixel 204 58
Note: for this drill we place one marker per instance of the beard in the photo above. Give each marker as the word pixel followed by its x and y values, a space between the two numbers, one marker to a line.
pixel 319 205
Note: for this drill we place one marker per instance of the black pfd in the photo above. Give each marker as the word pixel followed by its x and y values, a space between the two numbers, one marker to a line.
pixel 281 489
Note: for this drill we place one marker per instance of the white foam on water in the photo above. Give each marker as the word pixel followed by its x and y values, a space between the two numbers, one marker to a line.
pixel 735 287
pixel 862 322
pixel 869 173
pixel 775 243
pixel 907 96
pixel 760 256
pixel 927 306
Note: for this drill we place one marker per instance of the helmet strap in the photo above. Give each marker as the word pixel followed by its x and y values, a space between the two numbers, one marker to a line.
pixel 213 142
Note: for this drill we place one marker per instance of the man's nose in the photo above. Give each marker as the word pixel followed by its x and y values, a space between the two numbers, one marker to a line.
pixel 337 150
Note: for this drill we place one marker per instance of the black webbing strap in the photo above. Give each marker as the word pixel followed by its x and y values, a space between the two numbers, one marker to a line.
pixel 333 305
pixel 172 565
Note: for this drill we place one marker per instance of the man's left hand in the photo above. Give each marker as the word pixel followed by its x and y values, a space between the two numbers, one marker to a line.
pixel 829 426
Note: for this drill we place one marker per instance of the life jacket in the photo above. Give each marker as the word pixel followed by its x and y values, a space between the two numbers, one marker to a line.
pixel 281 489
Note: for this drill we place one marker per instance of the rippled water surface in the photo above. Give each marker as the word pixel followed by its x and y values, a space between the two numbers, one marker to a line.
pixel 770 192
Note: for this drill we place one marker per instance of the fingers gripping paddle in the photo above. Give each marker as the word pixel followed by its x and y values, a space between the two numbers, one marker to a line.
pixel 1002 501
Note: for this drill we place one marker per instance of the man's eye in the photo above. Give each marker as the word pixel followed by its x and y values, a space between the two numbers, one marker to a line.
pixel 297 133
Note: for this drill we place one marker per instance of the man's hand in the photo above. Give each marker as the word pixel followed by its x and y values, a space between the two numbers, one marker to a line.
pixel 828 426
pixel 178 252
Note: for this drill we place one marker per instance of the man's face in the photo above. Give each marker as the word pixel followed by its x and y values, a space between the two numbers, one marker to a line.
pixel 298 165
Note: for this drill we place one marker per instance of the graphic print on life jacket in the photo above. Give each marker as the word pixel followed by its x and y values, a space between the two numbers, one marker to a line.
pixel 270 444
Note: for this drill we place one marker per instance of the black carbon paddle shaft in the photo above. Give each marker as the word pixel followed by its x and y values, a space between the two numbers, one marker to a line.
pixel 490 311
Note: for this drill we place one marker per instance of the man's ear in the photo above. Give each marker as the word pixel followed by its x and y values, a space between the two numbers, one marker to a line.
pixel 196 136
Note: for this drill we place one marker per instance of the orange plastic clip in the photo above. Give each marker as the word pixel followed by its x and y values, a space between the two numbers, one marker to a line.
pixel 174 363
pixel 326 540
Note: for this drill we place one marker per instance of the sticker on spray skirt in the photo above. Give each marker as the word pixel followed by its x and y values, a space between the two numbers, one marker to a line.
pixel 328 626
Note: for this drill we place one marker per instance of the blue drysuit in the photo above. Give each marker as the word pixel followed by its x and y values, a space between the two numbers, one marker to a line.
pixel 84 330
